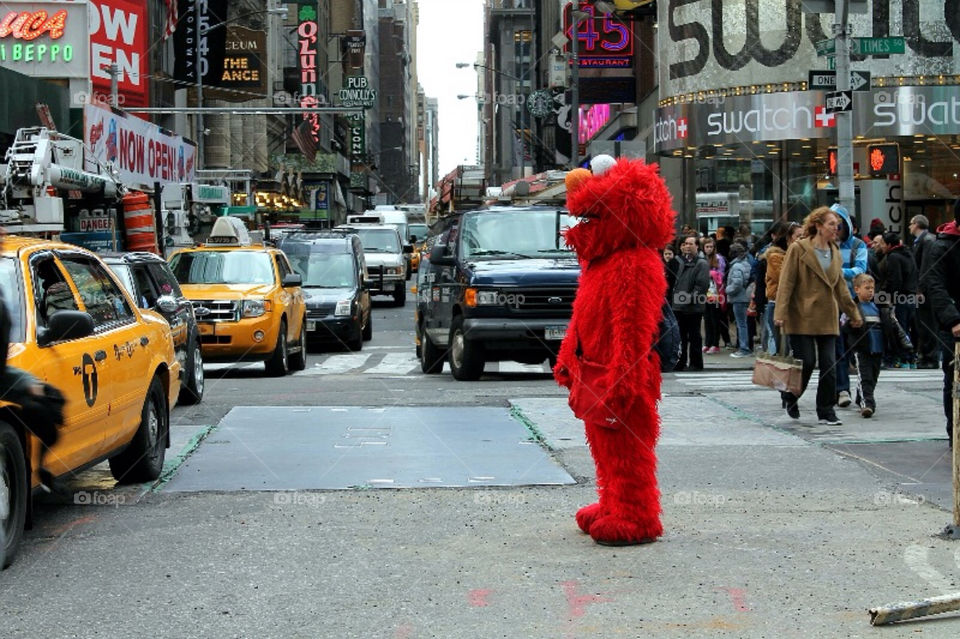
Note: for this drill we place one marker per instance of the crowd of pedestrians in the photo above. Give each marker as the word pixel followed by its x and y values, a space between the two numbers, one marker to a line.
pixel 846 304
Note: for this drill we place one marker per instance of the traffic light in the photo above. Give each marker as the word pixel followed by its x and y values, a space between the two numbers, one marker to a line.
pixel 884 159
pixel 832 161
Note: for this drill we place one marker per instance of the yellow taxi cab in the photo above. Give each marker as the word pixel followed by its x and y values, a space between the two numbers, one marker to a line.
pixel 72 325
pixel 247 299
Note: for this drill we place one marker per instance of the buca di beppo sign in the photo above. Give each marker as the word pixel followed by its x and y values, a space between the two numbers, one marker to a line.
pixel 714 44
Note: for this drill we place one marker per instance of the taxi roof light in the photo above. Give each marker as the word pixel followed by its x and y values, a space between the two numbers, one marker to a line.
pixel 229 231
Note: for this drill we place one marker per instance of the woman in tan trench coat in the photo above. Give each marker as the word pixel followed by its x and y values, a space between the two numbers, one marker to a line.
pixel 810 295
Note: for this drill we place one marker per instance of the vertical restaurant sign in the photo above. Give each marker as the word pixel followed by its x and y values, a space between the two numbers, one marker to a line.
pixel 307 32
pixel 45 39
pixel 118 35
pixel 604 41
pixel 142 152
pixel 202 33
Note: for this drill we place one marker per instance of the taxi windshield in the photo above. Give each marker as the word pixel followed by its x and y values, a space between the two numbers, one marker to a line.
pixel 514 234
pixel 222 267
pixel 12 297
pixel 378 240
pixel 325 270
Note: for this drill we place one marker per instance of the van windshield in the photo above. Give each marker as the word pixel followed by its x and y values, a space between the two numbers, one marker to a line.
pixel 378 240
pixel 325 270
pixel 515 234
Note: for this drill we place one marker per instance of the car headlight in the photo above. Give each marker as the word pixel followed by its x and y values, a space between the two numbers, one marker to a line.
pixel 255 308
pixel 343 308
pixel 487 298
pixel 393 270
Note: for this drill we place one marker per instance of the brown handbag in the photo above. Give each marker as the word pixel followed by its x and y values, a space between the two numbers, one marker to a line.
pixel 779 372
pixel 589 398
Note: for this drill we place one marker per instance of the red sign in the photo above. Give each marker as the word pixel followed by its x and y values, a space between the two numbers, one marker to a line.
pixel 118 35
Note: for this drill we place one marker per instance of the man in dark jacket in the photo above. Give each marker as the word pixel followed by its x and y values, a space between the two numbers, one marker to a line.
pixel 941 263
pixel 689 303
pixel 925 333
pixel 898 289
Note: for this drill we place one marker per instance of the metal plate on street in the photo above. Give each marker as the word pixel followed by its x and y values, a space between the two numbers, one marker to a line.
pixel 826 79
pixel 838 101
pixel 271 448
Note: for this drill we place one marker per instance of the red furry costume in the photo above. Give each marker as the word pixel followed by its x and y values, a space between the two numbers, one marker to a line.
pixel 626 217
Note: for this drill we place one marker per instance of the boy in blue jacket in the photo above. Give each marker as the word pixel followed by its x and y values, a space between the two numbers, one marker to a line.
pixel 866 344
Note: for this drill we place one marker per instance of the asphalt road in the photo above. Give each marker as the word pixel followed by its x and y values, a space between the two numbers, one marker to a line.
pixel 360 498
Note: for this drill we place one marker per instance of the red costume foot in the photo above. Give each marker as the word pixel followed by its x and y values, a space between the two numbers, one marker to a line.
pixel 587 515
pixel 607 360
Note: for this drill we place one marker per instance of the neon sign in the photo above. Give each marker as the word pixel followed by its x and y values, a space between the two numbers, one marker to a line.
pixel 592 120
pixel 307 30
pixel 30 26
pixel 604 41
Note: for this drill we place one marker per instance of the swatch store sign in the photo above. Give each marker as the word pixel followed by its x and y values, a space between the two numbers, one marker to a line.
pixel 901 111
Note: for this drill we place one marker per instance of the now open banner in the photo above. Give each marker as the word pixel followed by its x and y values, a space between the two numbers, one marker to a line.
pixel 141 152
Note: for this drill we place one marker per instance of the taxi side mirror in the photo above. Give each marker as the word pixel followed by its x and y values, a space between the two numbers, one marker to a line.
pixel 65 325
pixel 408 248
pixel 167 304
pixel 440 257
pixel 292 279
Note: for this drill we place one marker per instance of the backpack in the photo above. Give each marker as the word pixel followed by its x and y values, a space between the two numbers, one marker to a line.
pixel 668 340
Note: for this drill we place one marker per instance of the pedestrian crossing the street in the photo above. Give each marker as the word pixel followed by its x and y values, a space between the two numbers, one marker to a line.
pixel 743 379
pixel 389 364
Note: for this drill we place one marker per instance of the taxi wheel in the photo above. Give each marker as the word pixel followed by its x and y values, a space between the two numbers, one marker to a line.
pixel 13 493
pixel 368 329
pixel 278 363
pixel 298 360
pixel 431 357
pixel 142 460
pixel 466 357
pixel 191 392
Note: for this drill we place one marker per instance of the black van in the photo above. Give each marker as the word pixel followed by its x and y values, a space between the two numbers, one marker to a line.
pixel 334 284
pixel 499 285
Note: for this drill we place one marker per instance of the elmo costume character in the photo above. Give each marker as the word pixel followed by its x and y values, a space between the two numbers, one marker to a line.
pixel 607 359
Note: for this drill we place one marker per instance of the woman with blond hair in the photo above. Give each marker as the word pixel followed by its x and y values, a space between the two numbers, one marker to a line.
pixel 810 295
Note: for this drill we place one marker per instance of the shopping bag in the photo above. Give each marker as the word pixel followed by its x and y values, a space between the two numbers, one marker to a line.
pixel 779 372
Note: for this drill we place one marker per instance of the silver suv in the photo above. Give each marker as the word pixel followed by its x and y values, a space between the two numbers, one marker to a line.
pixel 385 253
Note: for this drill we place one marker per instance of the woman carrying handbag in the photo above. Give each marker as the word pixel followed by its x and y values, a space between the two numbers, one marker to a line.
pixel 810 295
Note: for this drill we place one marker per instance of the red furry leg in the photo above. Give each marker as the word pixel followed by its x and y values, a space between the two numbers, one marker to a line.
pixel 631 513
pixel 588 514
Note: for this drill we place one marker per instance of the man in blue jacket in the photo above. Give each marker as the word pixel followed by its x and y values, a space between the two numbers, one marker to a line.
pixel 853 250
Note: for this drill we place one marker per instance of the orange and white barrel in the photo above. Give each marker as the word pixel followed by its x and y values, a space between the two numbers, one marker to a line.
pixel 138 221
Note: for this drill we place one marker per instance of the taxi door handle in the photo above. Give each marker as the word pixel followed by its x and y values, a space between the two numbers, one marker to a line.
pixel 144 340
pixel 99 356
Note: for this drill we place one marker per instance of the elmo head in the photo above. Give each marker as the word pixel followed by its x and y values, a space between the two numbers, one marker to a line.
pixel 628 206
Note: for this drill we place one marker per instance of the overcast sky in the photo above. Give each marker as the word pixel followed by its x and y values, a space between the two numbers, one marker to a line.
pixel 451 31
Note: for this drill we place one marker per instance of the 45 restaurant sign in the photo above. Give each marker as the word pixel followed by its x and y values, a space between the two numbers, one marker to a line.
pixel 604 41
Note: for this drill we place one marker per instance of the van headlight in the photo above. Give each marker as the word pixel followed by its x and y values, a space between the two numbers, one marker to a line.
pixel 393 270
pixel 343 308
pixel 255 308
pixel 487 298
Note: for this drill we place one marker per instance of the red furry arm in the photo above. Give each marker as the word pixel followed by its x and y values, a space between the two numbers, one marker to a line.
pixel 567 357
pixel 637 286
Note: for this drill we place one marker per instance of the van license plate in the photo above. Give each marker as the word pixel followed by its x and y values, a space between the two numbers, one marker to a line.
pixel 555 332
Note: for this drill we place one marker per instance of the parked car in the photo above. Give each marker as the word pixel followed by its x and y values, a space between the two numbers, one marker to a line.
pixel 334 285
pixel 499 285
pixel 385 254
pixel 74 326
pixel 247 300
pixel 151 283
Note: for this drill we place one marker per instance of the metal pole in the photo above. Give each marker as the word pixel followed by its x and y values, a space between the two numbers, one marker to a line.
pixel 199 72
pixel 844 118
pixel 114 70
pixel 575 94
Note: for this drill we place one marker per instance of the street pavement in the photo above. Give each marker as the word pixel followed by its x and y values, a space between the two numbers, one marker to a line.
pixel 773 528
